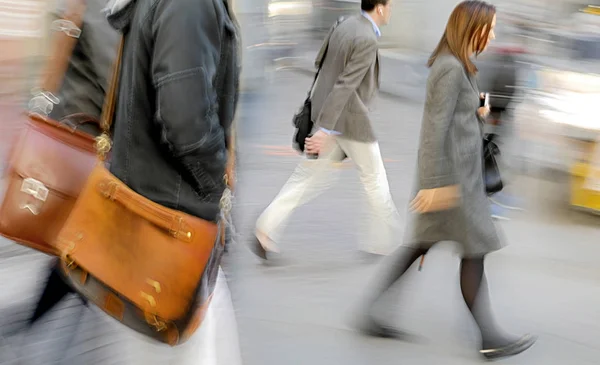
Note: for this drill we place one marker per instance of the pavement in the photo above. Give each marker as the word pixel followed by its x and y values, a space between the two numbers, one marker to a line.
pixel 301 309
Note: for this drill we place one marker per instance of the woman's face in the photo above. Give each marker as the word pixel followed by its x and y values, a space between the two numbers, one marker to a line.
pixel 491 35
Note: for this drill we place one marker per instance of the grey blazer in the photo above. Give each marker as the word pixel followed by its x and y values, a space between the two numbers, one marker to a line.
pixel 450 152
pixel 348 80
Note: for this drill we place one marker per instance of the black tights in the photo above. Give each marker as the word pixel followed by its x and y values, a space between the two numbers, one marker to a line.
pixel 473 287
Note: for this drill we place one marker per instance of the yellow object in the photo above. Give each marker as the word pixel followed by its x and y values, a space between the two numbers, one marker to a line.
pixel 595 10
pixel 585 187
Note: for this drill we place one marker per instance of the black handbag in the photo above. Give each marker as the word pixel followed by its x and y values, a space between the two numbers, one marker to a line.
pixel 304 125
pixel 491 171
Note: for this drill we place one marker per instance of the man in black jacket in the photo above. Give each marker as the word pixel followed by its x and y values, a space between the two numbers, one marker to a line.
pixel 176 101
pixel 177 97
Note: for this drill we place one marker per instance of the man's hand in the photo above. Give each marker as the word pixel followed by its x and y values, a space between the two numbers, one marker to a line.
pixel 313 145
pixel 435 200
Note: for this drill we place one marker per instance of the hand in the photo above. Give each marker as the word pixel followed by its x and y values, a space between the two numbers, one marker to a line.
pixel 483 112
pixel 314 144
pixel 434 200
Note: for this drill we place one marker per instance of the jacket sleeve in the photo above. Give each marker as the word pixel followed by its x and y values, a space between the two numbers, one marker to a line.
pixel 435 166
pixel 184 65
pixel 362 56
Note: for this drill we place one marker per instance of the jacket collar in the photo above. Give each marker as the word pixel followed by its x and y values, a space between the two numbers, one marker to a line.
pixel 119 13
pixel 370 19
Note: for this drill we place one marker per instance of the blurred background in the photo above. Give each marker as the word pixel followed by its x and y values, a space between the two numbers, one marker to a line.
pixel 301 310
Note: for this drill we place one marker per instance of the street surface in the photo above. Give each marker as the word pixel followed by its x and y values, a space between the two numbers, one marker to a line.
pixel 300 310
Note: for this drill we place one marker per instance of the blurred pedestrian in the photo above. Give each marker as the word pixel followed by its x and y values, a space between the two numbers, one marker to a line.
pixel 499 77
pixel 348 81
pixel 177 96
pixel 450 203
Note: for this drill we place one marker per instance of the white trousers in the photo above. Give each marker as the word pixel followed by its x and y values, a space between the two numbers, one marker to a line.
pixel 312 177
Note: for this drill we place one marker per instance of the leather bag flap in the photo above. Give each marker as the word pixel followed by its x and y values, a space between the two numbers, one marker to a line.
pixel 47 153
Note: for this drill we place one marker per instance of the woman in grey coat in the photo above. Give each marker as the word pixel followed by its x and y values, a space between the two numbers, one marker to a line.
pixel 450 203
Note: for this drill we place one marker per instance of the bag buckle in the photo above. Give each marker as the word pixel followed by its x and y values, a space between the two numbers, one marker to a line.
pixel 70 262
pixel 153 321
pixel 67 27
pixel 226 202
pixel 38 191
pixel 40 105
pixel 178 230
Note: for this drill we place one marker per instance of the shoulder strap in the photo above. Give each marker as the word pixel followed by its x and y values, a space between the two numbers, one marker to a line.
pixel 325 48
pixel 69 30
pixel 108 109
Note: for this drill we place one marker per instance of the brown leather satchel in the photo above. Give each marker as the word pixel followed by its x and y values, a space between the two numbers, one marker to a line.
pixel 50 161
pixel 152 268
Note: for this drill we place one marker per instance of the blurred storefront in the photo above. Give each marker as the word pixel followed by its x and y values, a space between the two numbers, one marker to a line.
pixel 559 128
pixel 22 34
pixel 22 25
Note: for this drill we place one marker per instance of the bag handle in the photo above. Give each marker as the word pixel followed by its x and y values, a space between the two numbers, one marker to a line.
pixel 171 222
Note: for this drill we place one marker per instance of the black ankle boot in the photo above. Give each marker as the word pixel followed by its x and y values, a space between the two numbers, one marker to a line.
pixel 374 328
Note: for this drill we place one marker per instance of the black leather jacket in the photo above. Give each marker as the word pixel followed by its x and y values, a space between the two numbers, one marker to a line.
pixel 177 97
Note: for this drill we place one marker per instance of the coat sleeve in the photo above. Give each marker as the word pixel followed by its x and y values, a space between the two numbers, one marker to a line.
pixel 184 65
pixel 435 166
pixel 362 56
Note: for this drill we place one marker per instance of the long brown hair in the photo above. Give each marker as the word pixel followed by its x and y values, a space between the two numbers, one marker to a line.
pixel 464 32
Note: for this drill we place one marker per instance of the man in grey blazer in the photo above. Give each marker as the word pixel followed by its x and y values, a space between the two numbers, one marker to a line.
pixel 348 81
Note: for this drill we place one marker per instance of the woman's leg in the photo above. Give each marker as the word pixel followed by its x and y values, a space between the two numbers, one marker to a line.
pixel 399 262
pixel 495 343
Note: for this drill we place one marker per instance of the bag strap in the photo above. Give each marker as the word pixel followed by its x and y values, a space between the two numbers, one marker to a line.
pixel 69 28
pixel 108 109
pixel 338 22
pixel 103 142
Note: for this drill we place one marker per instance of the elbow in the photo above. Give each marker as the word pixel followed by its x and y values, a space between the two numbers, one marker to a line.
pixel 199 135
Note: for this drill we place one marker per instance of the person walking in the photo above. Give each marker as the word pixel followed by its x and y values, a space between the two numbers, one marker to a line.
pixel 450 203
pixel 348 81
pixel 177 97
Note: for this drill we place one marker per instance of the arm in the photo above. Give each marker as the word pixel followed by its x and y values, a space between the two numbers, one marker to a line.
pixel 435 167
pixel 184 64
pixel 67 20
pixel 362 56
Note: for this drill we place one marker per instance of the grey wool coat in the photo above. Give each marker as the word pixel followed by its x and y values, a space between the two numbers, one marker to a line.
pixel 450 152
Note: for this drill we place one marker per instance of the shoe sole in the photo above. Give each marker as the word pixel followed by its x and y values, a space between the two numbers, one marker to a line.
pixel 499 217
pixel 257 249
pixel 506 206
pixel 511 350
